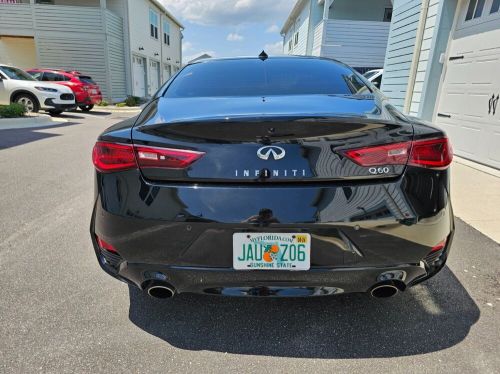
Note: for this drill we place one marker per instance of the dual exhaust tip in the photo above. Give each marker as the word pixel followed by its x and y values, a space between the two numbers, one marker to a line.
pixel 160 290
pixel 385 290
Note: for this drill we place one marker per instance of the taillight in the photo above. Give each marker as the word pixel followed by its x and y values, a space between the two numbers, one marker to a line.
pixel 151 157
pixel 434 153
pixel 104 245
pixel 111 157
pixel 388 154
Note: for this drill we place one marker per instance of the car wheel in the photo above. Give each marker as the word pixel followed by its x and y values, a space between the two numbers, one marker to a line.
pixel 55 112
pixel 86 108
pixel 29 102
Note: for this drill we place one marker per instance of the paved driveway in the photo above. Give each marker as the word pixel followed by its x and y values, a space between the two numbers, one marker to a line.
pixel 60 313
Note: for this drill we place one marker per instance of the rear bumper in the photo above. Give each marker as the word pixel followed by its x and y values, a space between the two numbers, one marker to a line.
pixel 181 234
pixel 89 100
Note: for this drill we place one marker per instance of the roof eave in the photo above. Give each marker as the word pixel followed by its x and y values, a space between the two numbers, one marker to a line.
pixel 170 15
pixel 293 15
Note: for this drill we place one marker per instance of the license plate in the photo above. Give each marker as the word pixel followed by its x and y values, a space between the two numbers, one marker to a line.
pixel 270 251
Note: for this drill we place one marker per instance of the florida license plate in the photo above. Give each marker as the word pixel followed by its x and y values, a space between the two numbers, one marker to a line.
pixel 269 251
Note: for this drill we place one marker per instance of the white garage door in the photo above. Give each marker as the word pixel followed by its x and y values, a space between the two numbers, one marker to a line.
pixel 139 74
pixel 469 109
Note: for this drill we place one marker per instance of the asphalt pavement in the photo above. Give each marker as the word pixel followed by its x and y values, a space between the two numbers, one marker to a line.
pixel 60 313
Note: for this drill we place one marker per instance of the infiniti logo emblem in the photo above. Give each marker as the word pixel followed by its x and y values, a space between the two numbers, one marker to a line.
pixel 265 152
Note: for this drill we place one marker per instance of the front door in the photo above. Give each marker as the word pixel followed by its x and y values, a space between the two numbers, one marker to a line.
pixel 154 78
pixel 139 73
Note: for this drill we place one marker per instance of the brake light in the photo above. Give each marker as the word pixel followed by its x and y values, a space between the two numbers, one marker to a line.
pixel 109 157
pixel 434 153
pixel 151 157
pixel 104 245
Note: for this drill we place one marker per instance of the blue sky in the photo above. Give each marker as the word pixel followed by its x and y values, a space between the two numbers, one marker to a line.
pixel 225 28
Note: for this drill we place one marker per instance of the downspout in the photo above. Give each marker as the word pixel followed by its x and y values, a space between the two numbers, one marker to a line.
pixel 416 56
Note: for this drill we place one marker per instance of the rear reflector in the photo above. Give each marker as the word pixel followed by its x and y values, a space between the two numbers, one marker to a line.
pixel 439 246
pixel 109 157
pixel 103 245
pixel 434 153
pixel 151 157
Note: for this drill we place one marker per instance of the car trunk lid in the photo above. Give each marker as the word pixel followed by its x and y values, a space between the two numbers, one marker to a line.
pixel 301 138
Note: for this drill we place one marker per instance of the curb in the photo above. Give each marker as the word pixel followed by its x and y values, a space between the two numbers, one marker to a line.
pixel 40 120
pixel 114 109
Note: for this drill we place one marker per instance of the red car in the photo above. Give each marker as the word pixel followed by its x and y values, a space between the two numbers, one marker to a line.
pixel 87 92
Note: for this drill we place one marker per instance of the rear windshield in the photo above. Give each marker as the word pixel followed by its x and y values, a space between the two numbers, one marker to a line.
pixel 253 77
pixel 86 79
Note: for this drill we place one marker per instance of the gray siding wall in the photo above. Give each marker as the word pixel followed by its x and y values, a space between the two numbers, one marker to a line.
pixel 400 50
pixel 72 38
pixel 116 55
pixel 16 20
pixel 356 43
pixel 424 59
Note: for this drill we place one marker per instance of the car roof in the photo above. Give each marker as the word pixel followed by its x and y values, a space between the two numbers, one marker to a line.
pixel 272 57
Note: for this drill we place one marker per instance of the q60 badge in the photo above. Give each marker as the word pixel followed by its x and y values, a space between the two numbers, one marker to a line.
pixel 380 170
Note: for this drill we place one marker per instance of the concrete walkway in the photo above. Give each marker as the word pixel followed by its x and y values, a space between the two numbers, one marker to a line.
pixel 475 191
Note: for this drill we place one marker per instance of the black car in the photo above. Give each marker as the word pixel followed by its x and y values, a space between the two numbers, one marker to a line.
pixel 279 176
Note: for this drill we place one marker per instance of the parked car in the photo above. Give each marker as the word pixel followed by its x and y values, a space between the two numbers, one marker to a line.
pixel 375 76
pixel 87 92
pixel 17 86
pixel 280 176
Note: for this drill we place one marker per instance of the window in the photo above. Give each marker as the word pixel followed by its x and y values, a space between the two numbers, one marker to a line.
pixel 166 32
pixel 388 15
pixel 37 75
pixel 495 7
pixel 16 74
pixel 153 24
pixel 475 9
pixel 290 45
pixel 296 38
pixel 252 77
pixel 53 77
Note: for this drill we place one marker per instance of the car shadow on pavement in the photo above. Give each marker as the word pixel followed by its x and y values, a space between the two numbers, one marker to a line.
pixel 429 317
pixel 19 136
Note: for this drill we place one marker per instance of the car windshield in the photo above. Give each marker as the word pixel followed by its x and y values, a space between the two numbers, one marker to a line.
pixel 253 77
pixel 16 74
pixel 86 79
pixel 370 74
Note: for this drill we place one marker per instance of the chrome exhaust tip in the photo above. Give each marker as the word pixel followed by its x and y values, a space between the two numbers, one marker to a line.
pixel 161 291
pixel 384 291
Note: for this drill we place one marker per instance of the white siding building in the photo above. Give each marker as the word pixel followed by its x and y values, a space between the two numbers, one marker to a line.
pixel 352 31
pixel 443 64
pixel 129 47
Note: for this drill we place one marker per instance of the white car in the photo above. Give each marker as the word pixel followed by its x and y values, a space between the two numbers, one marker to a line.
pixel 375 76
pixel 17 86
